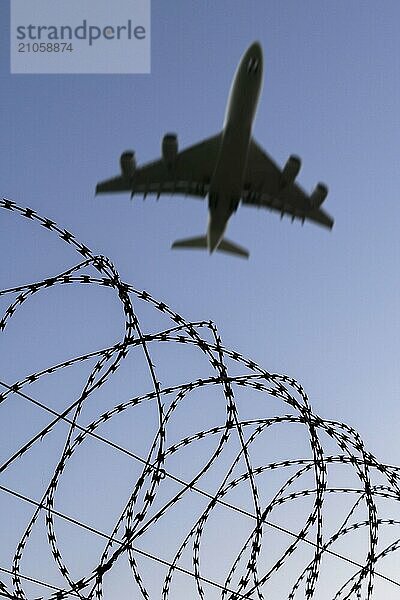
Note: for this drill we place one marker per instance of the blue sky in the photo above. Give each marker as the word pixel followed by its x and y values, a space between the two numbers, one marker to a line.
pixel 321 306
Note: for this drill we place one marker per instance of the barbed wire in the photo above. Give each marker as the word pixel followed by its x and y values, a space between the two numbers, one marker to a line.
pixel 232 463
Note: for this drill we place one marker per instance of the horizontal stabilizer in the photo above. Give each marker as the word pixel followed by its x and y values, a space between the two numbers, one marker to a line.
pixel 231 248
pixel 196 242
pixel 200 242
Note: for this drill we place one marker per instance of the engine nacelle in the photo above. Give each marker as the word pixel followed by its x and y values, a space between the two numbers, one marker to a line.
pixel 291 169
pixel 319 194
pixel 169 149
pixel 128 164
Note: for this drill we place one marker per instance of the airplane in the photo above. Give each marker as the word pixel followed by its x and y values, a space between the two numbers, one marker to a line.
pixel 229 168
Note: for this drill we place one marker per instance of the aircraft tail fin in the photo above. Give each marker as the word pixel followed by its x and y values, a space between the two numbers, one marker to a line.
pixel 200 242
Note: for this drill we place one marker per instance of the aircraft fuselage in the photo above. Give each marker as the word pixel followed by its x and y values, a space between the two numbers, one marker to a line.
pixel 227 180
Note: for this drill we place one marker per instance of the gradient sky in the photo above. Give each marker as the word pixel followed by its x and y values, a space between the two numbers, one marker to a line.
pixel 321 306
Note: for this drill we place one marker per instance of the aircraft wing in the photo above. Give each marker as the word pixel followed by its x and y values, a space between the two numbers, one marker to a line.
pixel 191 173
pixel 263 187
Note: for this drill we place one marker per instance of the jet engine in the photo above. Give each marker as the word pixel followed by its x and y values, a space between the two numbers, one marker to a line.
pixel 291 169
pixel 319 194
pixel 128 164
pixel 169 149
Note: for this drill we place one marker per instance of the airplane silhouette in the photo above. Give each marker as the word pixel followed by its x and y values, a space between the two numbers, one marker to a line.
pixel 229 168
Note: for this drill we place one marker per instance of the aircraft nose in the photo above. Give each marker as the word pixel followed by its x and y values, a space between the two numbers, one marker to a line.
pixel 256 49
pixel 254 54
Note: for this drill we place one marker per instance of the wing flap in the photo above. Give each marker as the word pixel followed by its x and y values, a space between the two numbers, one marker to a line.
pixel 115 184
pixel 191 173
pixel 201 243
pixel 263 189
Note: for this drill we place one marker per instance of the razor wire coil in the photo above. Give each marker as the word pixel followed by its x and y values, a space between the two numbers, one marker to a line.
pixel 248 575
